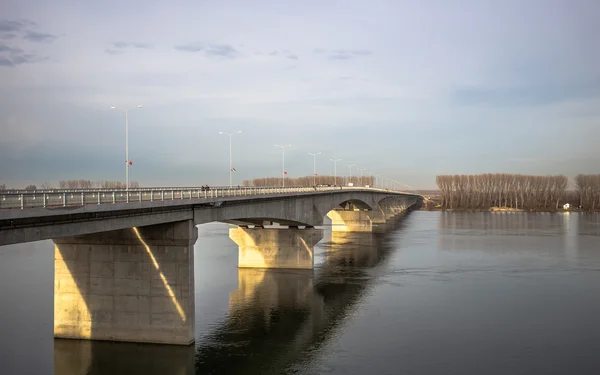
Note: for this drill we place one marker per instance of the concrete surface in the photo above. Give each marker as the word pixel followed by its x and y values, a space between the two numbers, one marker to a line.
pixel 128 285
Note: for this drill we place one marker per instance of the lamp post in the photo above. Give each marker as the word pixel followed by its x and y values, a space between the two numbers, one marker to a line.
pixel 361 174
pixel 370 174
pixel 283 172
pixel 230 161
pixel 314 167
pixel 350 167
pixel 127 161
pixel 335 170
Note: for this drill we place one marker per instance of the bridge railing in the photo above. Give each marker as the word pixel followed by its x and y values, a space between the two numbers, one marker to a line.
pixel 82 197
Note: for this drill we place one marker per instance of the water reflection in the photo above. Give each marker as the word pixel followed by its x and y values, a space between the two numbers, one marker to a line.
pixel 529 242
pixel 501 223
pixel 278 317
pixel 479 231
pixel 103 357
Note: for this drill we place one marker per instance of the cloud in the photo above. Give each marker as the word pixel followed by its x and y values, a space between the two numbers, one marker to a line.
pixel 18 58
pixel 118 48
pixel 13 56
pixel 124 45
pixel 5 62
pixel 10 29
pixel 6 48
pixel 222 50
pixel 141 45
pixel 35 36
pixel 348 54
pixel 13 26
pixel 192 47
pixel 284 53
pixel 111 51
pixel 211 50
pixel 342 54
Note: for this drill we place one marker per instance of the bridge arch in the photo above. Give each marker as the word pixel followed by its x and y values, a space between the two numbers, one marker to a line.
pixel 302 210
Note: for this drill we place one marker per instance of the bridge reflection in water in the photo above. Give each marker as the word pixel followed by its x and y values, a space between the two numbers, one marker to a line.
pixel 277 319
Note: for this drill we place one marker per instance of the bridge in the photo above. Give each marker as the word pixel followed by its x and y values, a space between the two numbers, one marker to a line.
pixel 124 259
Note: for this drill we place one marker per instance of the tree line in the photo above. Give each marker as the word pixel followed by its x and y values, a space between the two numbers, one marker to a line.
pixel 588 190
pixel 517 191
pixel 308 181
pixel 79 184
pixel 103 184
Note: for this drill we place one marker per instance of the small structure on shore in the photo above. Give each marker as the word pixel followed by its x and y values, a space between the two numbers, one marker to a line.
pixel 566 206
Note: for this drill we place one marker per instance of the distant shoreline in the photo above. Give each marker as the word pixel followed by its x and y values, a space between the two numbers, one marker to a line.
pixel 504 209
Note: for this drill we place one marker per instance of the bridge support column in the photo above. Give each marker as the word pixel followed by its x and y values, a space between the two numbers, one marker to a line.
pixel 134 285
pixel 350 221
pixel 276 248
pixel 378 220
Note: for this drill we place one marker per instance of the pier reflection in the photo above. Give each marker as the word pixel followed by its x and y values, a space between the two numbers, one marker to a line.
pixel 116 358
pixel 278 318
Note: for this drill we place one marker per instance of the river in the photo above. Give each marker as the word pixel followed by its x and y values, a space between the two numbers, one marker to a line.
pixel 443 293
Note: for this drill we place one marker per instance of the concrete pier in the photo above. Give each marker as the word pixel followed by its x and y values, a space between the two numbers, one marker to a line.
pixel 350 221
pixel 276 247
pixel 134 284
pixel 378 220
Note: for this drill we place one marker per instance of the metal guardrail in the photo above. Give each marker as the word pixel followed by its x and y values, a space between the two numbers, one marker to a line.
pixel 81 197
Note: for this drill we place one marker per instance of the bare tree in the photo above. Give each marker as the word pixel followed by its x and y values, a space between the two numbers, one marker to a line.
pixel 588 190
pixel 3 187
pixel 46 185
pixel 501 190
pixel 30 187
pixel 305 181
pixel 87 184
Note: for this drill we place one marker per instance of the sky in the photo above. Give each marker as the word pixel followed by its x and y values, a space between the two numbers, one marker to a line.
pixel 407 89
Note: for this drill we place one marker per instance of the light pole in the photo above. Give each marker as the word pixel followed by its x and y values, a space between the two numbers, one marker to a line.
pixel 335 170
pixel 361 174
pixel 127 161
pixel 350 166
pixel 314 167
pixel 370 174
pixel 385 182
pixel 230 161
pixel 283 172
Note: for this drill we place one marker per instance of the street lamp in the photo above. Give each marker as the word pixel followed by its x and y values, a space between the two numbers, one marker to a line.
pixel 335 170
pixel 283 172
pixel 314 166
pixel 361 174
pixel 368 174
pixel 230 161
pixel 350 166
pixel 127 161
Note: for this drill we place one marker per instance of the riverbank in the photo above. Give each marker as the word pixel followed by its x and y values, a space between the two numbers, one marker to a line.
pixel 503 209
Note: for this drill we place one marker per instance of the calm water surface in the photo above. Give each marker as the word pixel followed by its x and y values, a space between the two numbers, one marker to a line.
pixel 444 293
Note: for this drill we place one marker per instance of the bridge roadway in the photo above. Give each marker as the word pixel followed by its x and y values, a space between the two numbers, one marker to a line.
pixel 124 260
pixel 49 214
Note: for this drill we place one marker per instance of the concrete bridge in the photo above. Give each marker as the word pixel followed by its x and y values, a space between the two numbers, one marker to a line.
pixel 124 259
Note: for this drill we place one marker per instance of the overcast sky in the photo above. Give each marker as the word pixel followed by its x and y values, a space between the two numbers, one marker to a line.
pixel 410 89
